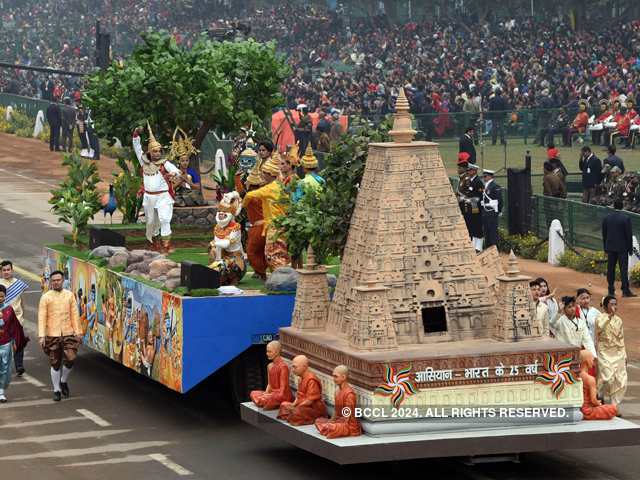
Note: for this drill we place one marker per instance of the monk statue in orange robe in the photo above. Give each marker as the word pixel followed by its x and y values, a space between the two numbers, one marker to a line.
pixel 592 408
pixel 308 405
pixel 344 422
pixel 278 390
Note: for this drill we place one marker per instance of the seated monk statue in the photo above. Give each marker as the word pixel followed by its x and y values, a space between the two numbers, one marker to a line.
pixel 592 408
pixel 340 425
pixel 225 251
pixel 278 390
pixel 308 405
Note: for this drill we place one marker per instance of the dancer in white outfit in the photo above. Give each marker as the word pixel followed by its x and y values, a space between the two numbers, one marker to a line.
pixel 158 192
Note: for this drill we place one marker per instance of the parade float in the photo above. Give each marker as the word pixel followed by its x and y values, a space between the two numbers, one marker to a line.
pixel 442 347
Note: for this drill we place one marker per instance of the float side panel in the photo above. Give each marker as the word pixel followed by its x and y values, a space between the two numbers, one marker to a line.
pixel 217 329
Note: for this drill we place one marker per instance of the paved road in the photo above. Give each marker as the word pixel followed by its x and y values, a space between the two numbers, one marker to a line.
pixel 118 424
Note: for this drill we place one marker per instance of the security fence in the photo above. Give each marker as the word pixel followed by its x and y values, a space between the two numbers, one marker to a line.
pixel 30 106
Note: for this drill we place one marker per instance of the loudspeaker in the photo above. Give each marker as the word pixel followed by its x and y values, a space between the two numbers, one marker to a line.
pixel 193 275
pixel 103 236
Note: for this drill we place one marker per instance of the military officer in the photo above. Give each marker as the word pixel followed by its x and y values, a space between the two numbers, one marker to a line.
pixel 474 215
pixel 491 208
pixel 463 182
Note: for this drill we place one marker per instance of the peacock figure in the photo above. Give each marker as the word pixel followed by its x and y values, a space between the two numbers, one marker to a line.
pixel 109 204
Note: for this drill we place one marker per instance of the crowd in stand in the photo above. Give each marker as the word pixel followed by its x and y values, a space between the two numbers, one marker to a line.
pixel 441 63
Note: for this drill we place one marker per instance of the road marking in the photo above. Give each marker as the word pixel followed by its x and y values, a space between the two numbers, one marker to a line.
pixel 76 452
pixel 64 436
pixel 41 422
pixel 93 417
pixel 170 465
pixel 11 210
pixel 26 273
pixel 49 224
pixel 32 403
pixel 127 459
pixel 33 381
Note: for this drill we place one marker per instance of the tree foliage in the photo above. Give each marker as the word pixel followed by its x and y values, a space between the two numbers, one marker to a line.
pixel 321 217
pixel 228 84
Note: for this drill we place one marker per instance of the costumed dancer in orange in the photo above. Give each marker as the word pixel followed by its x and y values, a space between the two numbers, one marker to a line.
pixel 275 250
pixel 592 408
pixel 308 405
pixel 278 390
pixel 341 425
pixel 255 240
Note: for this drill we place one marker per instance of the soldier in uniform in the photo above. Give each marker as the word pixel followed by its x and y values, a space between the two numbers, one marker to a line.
pixel 552 187
pixel 463 183
pixel 632 194
pixel 491 208
pixel 559 172
pixel 614 189
pixel 474 215
pixel 602 187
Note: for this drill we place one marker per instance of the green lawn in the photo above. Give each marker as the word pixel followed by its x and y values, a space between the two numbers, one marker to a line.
pixel 516 151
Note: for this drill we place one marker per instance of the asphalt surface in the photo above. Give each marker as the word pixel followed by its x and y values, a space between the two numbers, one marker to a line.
pixel 119 424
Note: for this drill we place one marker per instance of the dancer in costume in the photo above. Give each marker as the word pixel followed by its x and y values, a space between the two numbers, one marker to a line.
pixel 11 338
pixel 612 354
pixel 15 298
pixel 245 163
pixel 256 241
pixel 186 186
pixel 158 192
pixel 225 251
pixel 275 246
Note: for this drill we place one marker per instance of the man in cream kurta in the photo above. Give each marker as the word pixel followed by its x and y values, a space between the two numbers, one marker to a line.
pixel 157 200
pixel 574 331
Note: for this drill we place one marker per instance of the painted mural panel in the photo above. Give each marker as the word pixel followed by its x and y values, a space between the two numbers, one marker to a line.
pixel 130 322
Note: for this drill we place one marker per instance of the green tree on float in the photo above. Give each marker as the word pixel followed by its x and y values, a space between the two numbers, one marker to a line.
pixel 228 84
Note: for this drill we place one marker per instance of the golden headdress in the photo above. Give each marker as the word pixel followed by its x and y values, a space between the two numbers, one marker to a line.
pixel 584 102
pixel 271 166
pixel 294 155
pixel 230 203
pixel 254 177
pixel 604 102
pixel 309 160
pixel 183 147
pixel 153 143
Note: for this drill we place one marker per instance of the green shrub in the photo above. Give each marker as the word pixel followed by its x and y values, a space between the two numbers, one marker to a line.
pixel 527 247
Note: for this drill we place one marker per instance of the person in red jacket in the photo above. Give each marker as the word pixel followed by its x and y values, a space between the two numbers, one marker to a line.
pixel 578 126
pixel 621 129
pixel 598 126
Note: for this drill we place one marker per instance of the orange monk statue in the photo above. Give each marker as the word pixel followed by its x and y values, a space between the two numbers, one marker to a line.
pixel 343 423
pixel 308 405
pixel 278 390
pixel 592 408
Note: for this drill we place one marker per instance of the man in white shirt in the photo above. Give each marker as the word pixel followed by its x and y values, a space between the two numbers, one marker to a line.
pixel 158 192
pixel 571 329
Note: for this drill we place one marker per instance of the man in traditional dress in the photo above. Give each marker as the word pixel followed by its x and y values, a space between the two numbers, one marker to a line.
pixel 59 331
pixel 158 191
pixel 276 251
pixel 15 299
pixel 308 405
pixel 278 390
pixel 11 337
pixel 473 218
pixel 255 240
pixel 344 422
pixel 612 354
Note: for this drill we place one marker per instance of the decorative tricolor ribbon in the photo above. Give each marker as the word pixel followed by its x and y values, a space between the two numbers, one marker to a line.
pixel 557 373
pixel 397 384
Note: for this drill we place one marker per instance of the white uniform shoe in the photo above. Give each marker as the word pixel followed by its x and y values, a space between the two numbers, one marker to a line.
pixel 91 152
pixel 84 153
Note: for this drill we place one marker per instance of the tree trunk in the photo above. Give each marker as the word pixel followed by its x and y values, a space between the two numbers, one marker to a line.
pixel 390 12
pixel 482 8
pixel 579 14
pixel 194 160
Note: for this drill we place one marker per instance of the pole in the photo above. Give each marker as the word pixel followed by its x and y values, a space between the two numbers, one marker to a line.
pixel 532 8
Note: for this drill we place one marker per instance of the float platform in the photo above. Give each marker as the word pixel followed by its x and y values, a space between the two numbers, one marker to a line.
pixel 491 442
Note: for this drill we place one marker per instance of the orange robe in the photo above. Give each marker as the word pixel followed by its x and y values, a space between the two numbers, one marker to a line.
pixel 309 388
pixel 342 426
pixel 255 240
pixel 279 385
pixel 592 412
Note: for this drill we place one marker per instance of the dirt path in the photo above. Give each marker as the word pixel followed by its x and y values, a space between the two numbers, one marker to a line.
pixel 32 157
pixel 569 281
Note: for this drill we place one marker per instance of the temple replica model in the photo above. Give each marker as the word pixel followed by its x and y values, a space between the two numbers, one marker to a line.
pixel 422 322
